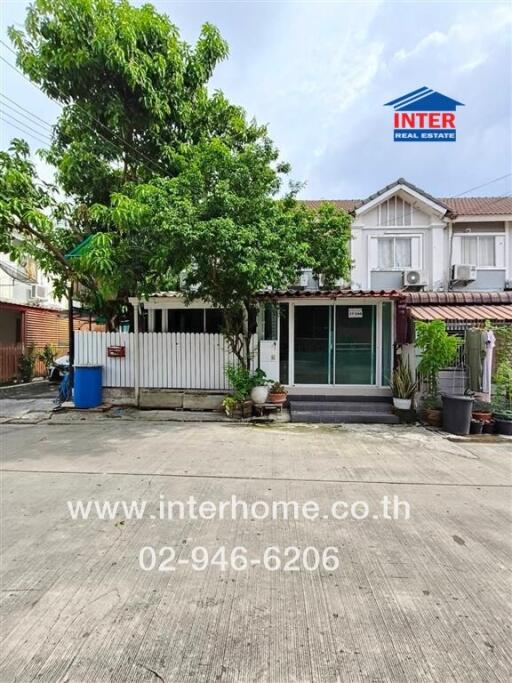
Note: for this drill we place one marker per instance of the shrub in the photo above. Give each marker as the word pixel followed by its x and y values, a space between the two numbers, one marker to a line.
pixel 47 357
pixel 243 380
pixel 26 363
pixel 439 350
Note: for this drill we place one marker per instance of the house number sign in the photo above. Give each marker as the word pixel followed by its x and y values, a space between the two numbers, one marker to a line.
pixel 355 312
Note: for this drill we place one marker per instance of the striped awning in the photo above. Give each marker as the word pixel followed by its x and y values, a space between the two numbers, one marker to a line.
pixel 492 312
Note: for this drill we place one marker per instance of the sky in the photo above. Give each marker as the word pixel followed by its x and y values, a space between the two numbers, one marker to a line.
pixel 319 73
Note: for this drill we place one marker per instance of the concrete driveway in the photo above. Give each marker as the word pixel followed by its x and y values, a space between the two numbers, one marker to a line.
pixel 413 600
pixel 30 402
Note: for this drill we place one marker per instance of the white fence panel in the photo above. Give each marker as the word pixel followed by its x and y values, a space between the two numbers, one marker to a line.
pixel 170 360
pixel 91 349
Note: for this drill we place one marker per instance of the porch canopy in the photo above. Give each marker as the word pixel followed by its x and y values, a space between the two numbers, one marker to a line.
pixel 460 306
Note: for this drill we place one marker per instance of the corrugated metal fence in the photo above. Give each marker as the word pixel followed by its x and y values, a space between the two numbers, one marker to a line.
pixel 171 360
pixel 9 358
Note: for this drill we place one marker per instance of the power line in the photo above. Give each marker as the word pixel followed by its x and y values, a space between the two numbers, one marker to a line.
pixel 13 125
pixel 9 116
pixel 80 108
pixel 489 182
pixel 28 112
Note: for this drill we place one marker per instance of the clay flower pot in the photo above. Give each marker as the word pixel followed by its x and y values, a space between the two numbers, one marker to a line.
pixel 481 416
pixel 433 417
pixel 277 398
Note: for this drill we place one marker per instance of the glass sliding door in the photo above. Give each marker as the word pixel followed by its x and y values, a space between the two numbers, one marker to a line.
pixel 337 344
pixel 355 334
pixel 312 344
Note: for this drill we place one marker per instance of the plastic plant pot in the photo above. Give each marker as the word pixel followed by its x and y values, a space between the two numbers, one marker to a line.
pixel 476 427
pixel 457 414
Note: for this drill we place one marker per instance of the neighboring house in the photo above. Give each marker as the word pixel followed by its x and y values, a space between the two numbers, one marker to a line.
pixel 30 315
pixel 28 309
pixel 449 243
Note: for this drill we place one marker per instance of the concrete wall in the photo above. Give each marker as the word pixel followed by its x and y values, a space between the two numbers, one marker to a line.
pixel 386 279
pixel 486 280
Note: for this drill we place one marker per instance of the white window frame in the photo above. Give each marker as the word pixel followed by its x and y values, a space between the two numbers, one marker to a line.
pixel 499 249
pixel 416 252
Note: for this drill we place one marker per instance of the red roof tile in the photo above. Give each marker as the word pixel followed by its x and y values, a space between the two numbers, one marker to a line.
pixel 457 298
pixel 462 206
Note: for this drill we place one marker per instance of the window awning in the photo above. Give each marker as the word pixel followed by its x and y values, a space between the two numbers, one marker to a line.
pixel 492 312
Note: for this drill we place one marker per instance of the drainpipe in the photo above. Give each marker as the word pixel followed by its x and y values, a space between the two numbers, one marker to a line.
pixel 135 305
pixel 450 255
pixel 71 334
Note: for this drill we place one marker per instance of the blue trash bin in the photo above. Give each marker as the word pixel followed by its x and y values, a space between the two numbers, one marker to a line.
pixel 87 392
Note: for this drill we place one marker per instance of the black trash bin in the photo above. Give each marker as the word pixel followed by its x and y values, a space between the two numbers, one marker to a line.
pixel 457 414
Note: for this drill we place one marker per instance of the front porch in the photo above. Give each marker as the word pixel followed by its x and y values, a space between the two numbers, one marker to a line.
pixel 333 343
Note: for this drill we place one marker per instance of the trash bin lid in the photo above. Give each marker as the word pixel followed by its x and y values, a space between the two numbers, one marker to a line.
pixel 85 365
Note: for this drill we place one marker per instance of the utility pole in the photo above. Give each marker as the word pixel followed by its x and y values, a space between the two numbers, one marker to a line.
pixel 71 334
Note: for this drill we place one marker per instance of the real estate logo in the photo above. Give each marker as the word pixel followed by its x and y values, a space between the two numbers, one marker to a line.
pixel 424 115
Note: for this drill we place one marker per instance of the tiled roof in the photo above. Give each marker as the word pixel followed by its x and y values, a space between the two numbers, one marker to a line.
pixel 457 298
pixel 346 204
pixel 336 293
pixel 461 206
pixel 474 206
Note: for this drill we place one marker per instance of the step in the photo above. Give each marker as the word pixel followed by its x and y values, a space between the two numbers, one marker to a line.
pixel 351 406
pixel 341 416
pixel 334 398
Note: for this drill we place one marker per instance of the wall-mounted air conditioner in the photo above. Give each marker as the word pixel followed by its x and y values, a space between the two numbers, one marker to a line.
pixel 306 280
pixel 413 278
pixel 463 273
pixel 38 292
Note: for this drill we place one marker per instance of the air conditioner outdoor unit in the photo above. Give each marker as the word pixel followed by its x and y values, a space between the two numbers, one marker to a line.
pixel 38 292
pixel 413 278
pixel 463 273
pixel 307 280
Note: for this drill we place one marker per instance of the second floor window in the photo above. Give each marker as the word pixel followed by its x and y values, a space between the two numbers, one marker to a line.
pixel 394 253
pixel 479 250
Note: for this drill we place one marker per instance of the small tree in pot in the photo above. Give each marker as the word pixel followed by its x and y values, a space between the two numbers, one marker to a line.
pixel 438 351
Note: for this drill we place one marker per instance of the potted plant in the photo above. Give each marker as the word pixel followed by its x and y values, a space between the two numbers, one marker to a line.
pixel 277 393
pixel 488 427
pixel 482 411
pixel 242 382
pixel 259 392
pixel 438 350
pixel 26 363
pixel 230 405
pixel 403 387
pixel 432 411
pixel 476 426
pixel 502 412
pixel 503 421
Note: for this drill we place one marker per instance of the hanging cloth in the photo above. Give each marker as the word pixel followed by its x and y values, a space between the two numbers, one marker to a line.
pixel 475 355
pixel 490 342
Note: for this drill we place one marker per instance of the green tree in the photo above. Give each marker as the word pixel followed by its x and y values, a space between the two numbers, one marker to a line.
pixel 163 177
pixel 221 224
pixel 131 92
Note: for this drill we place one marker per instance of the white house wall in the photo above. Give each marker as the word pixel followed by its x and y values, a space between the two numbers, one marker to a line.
pixel 434 259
